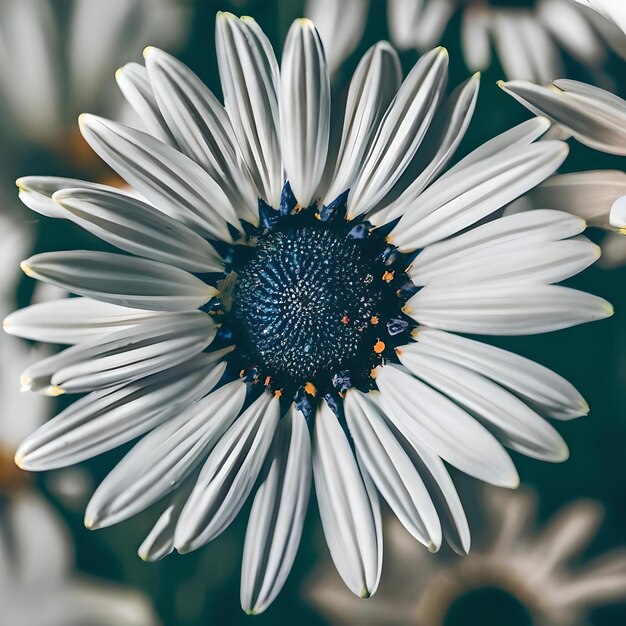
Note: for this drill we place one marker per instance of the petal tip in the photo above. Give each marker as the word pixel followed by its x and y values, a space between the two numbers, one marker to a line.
pixel 147 51
pixel 27 269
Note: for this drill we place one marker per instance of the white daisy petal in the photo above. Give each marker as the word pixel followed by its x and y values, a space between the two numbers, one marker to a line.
pixel 304 110
pixel 509 233
pixel 548 392
pixel 134 83
pixel 401 131
pixel 349 517
pixel 391 469
pixel 73 320
pixel 155 345
pixel 105 419
pixel 594 119
pixel 474 192
pixel 375 83
pixel 505 310
pixel 524 263
pixel 277 516
pixel 202 129
pixel 444 427
pixel 442 490
pixel 163 458
pixel 36 192
pixel 432 22
pixel 249 76
pixel 138 228
pixel 228 476
pixel 512 139
pixel 515 425
pixel 160 540
pixel 171 181
pixel 117 279
pixel 460 110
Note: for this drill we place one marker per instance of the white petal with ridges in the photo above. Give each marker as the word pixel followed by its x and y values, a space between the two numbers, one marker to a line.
pixel 515 424
pixel 373 86
pixel 106 419
pixel 304 110
pixel 460 110
pixel 520 263
pixel 126 355
pixel 202 128
pixel 457 201
pixel 250 78
pixel 522 230
pixel 138 228
pixel 228 476
pixel 73 320
pixel 391 469
pixel 349 512
pixel 123 280
pixel 542 388
pixel 277 516
pixel 444 427
pixel 165 457
pixel 505 310
pixel 171 181
pixel 401 131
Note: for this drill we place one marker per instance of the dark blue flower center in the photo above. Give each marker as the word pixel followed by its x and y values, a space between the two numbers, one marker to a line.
pixel 316 302
pixel 305 300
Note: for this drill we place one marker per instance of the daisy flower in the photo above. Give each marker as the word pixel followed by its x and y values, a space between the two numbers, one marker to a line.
pixel 287 311
pixel 520 573
pixel 526 34
pixel 597 119
pixel 39 586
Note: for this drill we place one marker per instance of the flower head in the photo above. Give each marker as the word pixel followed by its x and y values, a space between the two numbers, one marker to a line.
pixel 517 574
pixel 287 310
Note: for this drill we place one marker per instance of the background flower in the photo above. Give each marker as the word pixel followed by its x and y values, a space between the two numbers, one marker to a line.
pixel 516 574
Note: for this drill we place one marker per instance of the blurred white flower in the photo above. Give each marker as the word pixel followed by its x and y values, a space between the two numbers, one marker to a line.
pixel 38 586
pixel 57 59
pixel 527 35
pixel 596 118
pixel 527 571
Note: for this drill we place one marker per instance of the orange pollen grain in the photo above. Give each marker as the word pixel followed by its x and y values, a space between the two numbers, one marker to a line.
pixel 374 319
pixel 310 388
pixel 345 319
pixel 268 380
pixel 388 276
pixel 379 346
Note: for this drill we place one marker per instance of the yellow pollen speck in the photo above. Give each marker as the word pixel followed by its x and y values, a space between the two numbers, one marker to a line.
pixel 89 522
pixel 379 346
pixel 19 183
pixel 305 21
pixel 310 388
